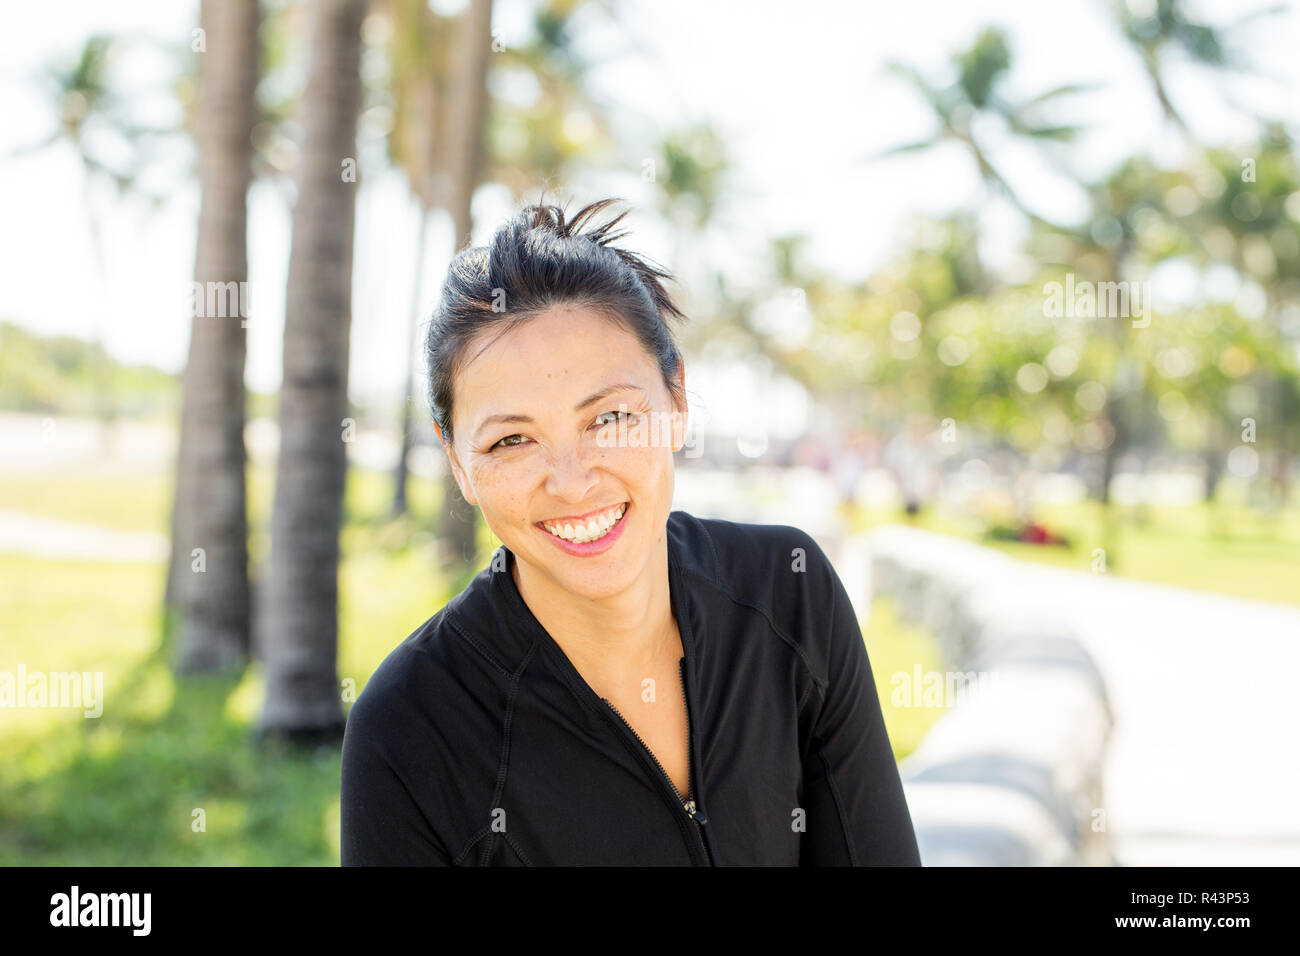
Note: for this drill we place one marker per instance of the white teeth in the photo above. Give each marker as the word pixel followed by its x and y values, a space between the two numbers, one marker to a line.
pixel 594 528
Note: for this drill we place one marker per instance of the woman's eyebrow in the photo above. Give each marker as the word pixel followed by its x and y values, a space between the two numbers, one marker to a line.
pixel 589 400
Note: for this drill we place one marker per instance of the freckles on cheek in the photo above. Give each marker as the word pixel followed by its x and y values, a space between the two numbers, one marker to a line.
pixel 499 492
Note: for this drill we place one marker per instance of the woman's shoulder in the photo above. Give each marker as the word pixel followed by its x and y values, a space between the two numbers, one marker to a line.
pixel 736 550
pixel 406 675
pixel 415 656
pixel 777 570
pixel 436 669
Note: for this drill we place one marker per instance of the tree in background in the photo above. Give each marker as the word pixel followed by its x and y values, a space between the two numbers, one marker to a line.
pixel 440 94
pixel 1160 31
pixel 297 621
pixel 81 95
pixel 1241 207
pixel 418 53
pixel 464 169
pixel 981 71
pixel 209 512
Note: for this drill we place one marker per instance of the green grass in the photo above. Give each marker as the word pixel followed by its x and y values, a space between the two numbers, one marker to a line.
pixel 1225 547
pixel 117 501
pixel 123 788
pixel 895 647
pixel 143 502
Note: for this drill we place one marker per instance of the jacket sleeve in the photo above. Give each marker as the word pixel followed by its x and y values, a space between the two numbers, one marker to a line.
pixel 380 822
pixel 856 812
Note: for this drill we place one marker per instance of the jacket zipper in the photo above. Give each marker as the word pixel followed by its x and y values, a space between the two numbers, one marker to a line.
pixel 688 804
pixel 696 814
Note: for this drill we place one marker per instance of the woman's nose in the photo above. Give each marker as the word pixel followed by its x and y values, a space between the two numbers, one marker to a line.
pixel 571 473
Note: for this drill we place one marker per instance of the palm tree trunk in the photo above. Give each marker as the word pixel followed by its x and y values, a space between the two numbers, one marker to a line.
pixel 102 387
pixel 209 569
pixel 458 530
pixel 408 405
pixel 298 620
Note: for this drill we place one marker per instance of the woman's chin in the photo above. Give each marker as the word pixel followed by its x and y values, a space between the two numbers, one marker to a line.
pixel 591 580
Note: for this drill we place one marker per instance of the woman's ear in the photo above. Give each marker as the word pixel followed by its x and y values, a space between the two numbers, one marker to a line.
pixel 466 489
pixel 681 412
pixel 454 463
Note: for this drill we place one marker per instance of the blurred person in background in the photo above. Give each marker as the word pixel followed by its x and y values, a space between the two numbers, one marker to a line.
pixel 912 458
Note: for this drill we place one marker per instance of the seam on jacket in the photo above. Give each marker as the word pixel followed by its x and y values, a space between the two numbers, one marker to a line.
pixel 803 698
pixel 523 857
pixel 463 854
pixel 712 550
pixel 717 582
pixel 486 829
pixel 821 682
pixel 410 796
pixel 454 624
pixel 505 743
pixel 839 808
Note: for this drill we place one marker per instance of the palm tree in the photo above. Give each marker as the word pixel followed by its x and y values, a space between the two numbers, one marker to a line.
pixel 209 510
pixel 81 95
pixel 692 188
pixel 275 19
pixel 442 102
pixel 566 125
pixel 298 617
pixel 417 55
pixel 464 169
pixel 980 71
pixel 1168 32
pixel 1254 214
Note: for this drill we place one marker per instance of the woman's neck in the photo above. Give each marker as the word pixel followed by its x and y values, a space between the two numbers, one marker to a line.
pixel 610 638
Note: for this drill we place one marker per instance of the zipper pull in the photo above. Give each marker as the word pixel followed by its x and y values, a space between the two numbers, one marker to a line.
pixel 697 815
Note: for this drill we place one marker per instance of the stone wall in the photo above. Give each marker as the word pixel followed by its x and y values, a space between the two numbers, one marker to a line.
pixel 1011 773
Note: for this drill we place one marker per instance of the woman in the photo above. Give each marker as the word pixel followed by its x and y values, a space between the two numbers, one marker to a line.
pixel 624 684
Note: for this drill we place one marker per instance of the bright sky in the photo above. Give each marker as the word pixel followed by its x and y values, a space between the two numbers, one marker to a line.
pixel 797 89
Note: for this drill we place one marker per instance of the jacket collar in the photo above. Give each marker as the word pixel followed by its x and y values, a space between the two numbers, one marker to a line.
pixel 492 603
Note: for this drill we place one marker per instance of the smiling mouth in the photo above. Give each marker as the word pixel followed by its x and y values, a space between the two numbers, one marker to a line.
pixel 594 528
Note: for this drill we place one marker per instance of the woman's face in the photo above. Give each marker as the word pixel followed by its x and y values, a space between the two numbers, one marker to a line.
pixel 564 434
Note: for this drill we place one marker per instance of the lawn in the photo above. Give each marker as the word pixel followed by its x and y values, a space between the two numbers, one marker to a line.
pixel 124 787
pixel 1225 547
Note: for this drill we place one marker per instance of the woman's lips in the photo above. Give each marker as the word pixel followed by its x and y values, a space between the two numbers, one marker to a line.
pixel 583 518
pixel 590 548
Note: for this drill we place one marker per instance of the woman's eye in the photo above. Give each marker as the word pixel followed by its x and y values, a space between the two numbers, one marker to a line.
pixel 630 416
pixel 604 418
pixel 509 442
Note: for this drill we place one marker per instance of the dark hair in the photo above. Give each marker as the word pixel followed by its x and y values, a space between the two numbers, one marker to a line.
pixel 537 261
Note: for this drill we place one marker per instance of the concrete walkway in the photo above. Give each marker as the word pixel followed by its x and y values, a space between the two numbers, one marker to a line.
pixel 23 533
pixel 1204 764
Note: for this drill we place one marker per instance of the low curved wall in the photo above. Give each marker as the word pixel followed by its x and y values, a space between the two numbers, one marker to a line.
pixel 1011 773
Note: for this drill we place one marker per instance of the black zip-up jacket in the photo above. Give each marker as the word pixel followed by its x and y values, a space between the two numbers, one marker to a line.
pixel 477 742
